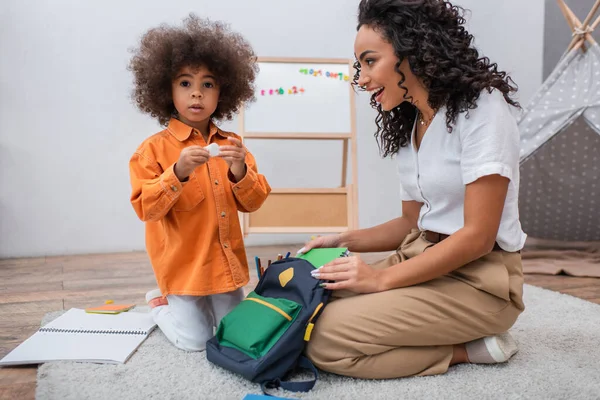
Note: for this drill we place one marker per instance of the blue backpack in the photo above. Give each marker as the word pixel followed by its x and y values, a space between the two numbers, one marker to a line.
pixel 263 338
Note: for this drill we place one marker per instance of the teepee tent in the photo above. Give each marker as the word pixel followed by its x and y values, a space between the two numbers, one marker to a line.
pixel 560 143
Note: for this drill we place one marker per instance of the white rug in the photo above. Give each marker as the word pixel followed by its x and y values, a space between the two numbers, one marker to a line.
pixel 559 358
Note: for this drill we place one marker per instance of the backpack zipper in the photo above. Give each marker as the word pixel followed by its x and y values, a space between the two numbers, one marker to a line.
pixel 315 313
pixel 271 306
pixel 310 326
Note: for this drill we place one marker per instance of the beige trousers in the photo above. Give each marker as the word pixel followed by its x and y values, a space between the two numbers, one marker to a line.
pixel 412 330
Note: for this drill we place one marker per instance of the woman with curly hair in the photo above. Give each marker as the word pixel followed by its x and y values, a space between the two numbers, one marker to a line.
pixel 190 180
pixel 453 286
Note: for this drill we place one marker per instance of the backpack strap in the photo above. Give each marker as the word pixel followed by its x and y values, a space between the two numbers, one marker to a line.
pixel 302 386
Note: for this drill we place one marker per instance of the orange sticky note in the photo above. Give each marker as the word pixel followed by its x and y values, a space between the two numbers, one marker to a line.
pixel 110 309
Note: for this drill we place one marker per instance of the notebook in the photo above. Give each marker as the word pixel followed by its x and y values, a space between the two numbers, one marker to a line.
pixel 321 256
pixel 80 336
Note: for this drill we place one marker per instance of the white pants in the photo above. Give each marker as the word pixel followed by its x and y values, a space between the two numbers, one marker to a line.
pixel 189 321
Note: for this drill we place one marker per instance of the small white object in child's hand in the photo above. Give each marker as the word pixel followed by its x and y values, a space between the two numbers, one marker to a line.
pixel 213 149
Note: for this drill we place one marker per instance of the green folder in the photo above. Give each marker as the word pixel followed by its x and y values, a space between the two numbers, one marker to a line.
pixel 321 256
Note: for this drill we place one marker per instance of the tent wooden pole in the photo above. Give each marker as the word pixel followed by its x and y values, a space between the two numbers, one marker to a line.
pixel 585 24
pixel 596 23
pixel 594 26
pixel 577 22
pixel 578 44
pixel 591 14
pixel 570 17
pixel 564 9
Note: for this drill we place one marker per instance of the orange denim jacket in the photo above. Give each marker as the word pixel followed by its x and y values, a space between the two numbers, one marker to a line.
pixel 193 234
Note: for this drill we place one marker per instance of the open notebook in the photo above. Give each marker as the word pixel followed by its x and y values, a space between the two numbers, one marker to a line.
pixel 79 336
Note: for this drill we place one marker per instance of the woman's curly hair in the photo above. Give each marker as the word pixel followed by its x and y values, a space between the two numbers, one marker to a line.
pixel 165 50
pixel 431 36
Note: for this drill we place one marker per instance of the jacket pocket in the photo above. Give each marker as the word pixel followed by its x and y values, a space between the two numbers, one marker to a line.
pixel 256 324
pixel 191 195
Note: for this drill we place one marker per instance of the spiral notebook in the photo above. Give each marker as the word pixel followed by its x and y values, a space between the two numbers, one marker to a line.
pixel 83 337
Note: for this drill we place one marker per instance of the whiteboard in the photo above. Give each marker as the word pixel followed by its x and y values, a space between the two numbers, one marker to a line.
pixel 300 97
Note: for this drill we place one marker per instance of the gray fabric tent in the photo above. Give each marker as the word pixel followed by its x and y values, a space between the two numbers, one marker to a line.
pixel 560 144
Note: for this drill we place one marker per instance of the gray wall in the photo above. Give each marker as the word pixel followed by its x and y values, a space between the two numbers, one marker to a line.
pixel 557 34
pixel 67 126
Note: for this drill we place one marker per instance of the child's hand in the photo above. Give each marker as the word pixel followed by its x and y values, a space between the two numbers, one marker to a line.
pixel 235 156
pixel 190 158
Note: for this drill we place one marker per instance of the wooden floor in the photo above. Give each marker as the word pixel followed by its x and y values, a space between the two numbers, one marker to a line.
pixel 32 287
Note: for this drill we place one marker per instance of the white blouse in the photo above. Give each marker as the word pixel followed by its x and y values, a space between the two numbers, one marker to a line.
pixel 485 143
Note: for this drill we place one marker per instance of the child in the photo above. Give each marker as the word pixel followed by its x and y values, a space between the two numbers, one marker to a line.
pixel 189 199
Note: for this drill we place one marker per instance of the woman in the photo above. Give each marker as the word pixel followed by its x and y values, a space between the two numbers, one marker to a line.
pixel 454 285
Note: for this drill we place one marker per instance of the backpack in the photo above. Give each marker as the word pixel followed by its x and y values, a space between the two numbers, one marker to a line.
pixel 264 336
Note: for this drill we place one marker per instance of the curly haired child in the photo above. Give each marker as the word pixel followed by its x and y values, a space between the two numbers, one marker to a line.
pixel 187 195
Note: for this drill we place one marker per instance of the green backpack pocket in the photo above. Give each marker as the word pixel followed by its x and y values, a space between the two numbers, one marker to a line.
pixel 256 324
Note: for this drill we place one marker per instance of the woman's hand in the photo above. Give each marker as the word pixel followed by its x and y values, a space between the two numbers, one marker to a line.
pixel 350 273
pixel 321 242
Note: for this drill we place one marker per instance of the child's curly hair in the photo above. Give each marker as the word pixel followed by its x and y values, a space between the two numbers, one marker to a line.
pixel 165 50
